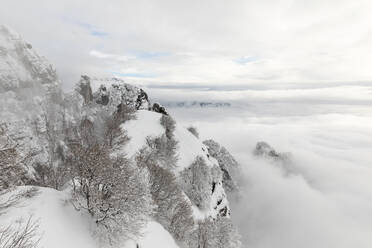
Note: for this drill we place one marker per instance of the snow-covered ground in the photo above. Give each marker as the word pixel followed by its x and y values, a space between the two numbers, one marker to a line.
pixel 154 236
pixel 61 226
pixel 148 124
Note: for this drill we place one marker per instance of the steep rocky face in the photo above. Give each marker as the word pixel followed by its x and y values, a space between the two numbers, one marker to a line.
pixel 112 92
pixel 263 149
pixel 20 65
pixel 30 97
pixel 227 163
pixel 85 90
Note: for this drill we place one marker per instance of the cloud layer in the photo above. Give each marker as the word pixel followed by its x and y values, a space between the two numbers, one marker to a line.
pixel 326 202
pixel 205 42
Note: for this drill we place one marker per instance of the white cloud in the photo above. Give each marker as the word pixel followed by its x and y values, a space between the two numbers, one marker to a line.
pixel 326 203
pixel 296 41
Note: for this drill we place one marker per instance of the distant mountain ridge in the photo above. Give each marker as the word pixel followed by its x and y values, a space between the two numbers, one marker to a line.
pixel 195 104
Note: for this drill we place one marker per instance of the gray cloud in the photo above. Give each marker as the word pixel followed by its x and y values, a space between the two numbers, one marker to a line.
pixel 326 202
pixel 285 40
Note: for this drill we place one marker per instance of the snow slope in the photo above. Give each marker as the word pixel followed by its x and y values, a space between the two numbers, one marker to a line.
pixel 61 226
pixel 147 124
pixel 154 236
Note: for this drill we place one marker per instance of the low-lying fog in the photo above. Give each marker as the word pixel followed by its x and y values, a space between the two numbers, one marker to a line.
pixel 323 197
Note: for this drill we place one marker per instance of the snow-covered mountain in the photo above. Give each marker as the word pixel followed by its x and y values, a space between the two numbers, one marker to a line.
pixel 30 97
pixel 53 145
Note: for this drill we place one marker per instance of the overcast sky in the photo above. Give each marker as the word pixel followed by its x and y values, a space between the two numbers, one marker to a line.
pixel 200 42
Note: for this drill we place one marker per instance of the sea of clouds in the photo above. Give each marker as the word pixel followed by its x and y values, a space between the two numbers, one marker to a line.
pixel 322 197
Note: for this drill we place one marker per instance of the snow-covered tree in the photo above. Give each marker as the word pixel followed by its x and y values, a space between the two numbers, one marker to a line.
pixel 113 132
pixel 163 149
pixel 169 124
pixel 196 181
pixel 12 172
pixel 173 210
pixel 113 190
pixel 215 233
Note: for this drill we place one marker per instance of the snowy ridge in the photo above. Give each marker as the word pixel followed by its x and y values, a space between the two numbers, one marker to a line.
pixel 189 148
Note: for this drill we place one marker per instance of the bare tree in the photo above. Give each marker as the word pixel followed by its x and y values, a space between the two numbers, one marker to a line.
pixel 113 132
pixel 164 148
pixel 12 171
pixel 112 189
pixel 23 235
pixel 14 199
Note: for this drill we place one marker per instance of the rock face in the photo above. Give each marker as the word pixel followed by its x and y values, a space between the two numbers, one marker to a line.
pixel 263 149
pixel 112 92
pixel 85 90
pixel 20 65
pixel 30 97
pixel 156 107
pixel 227 163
